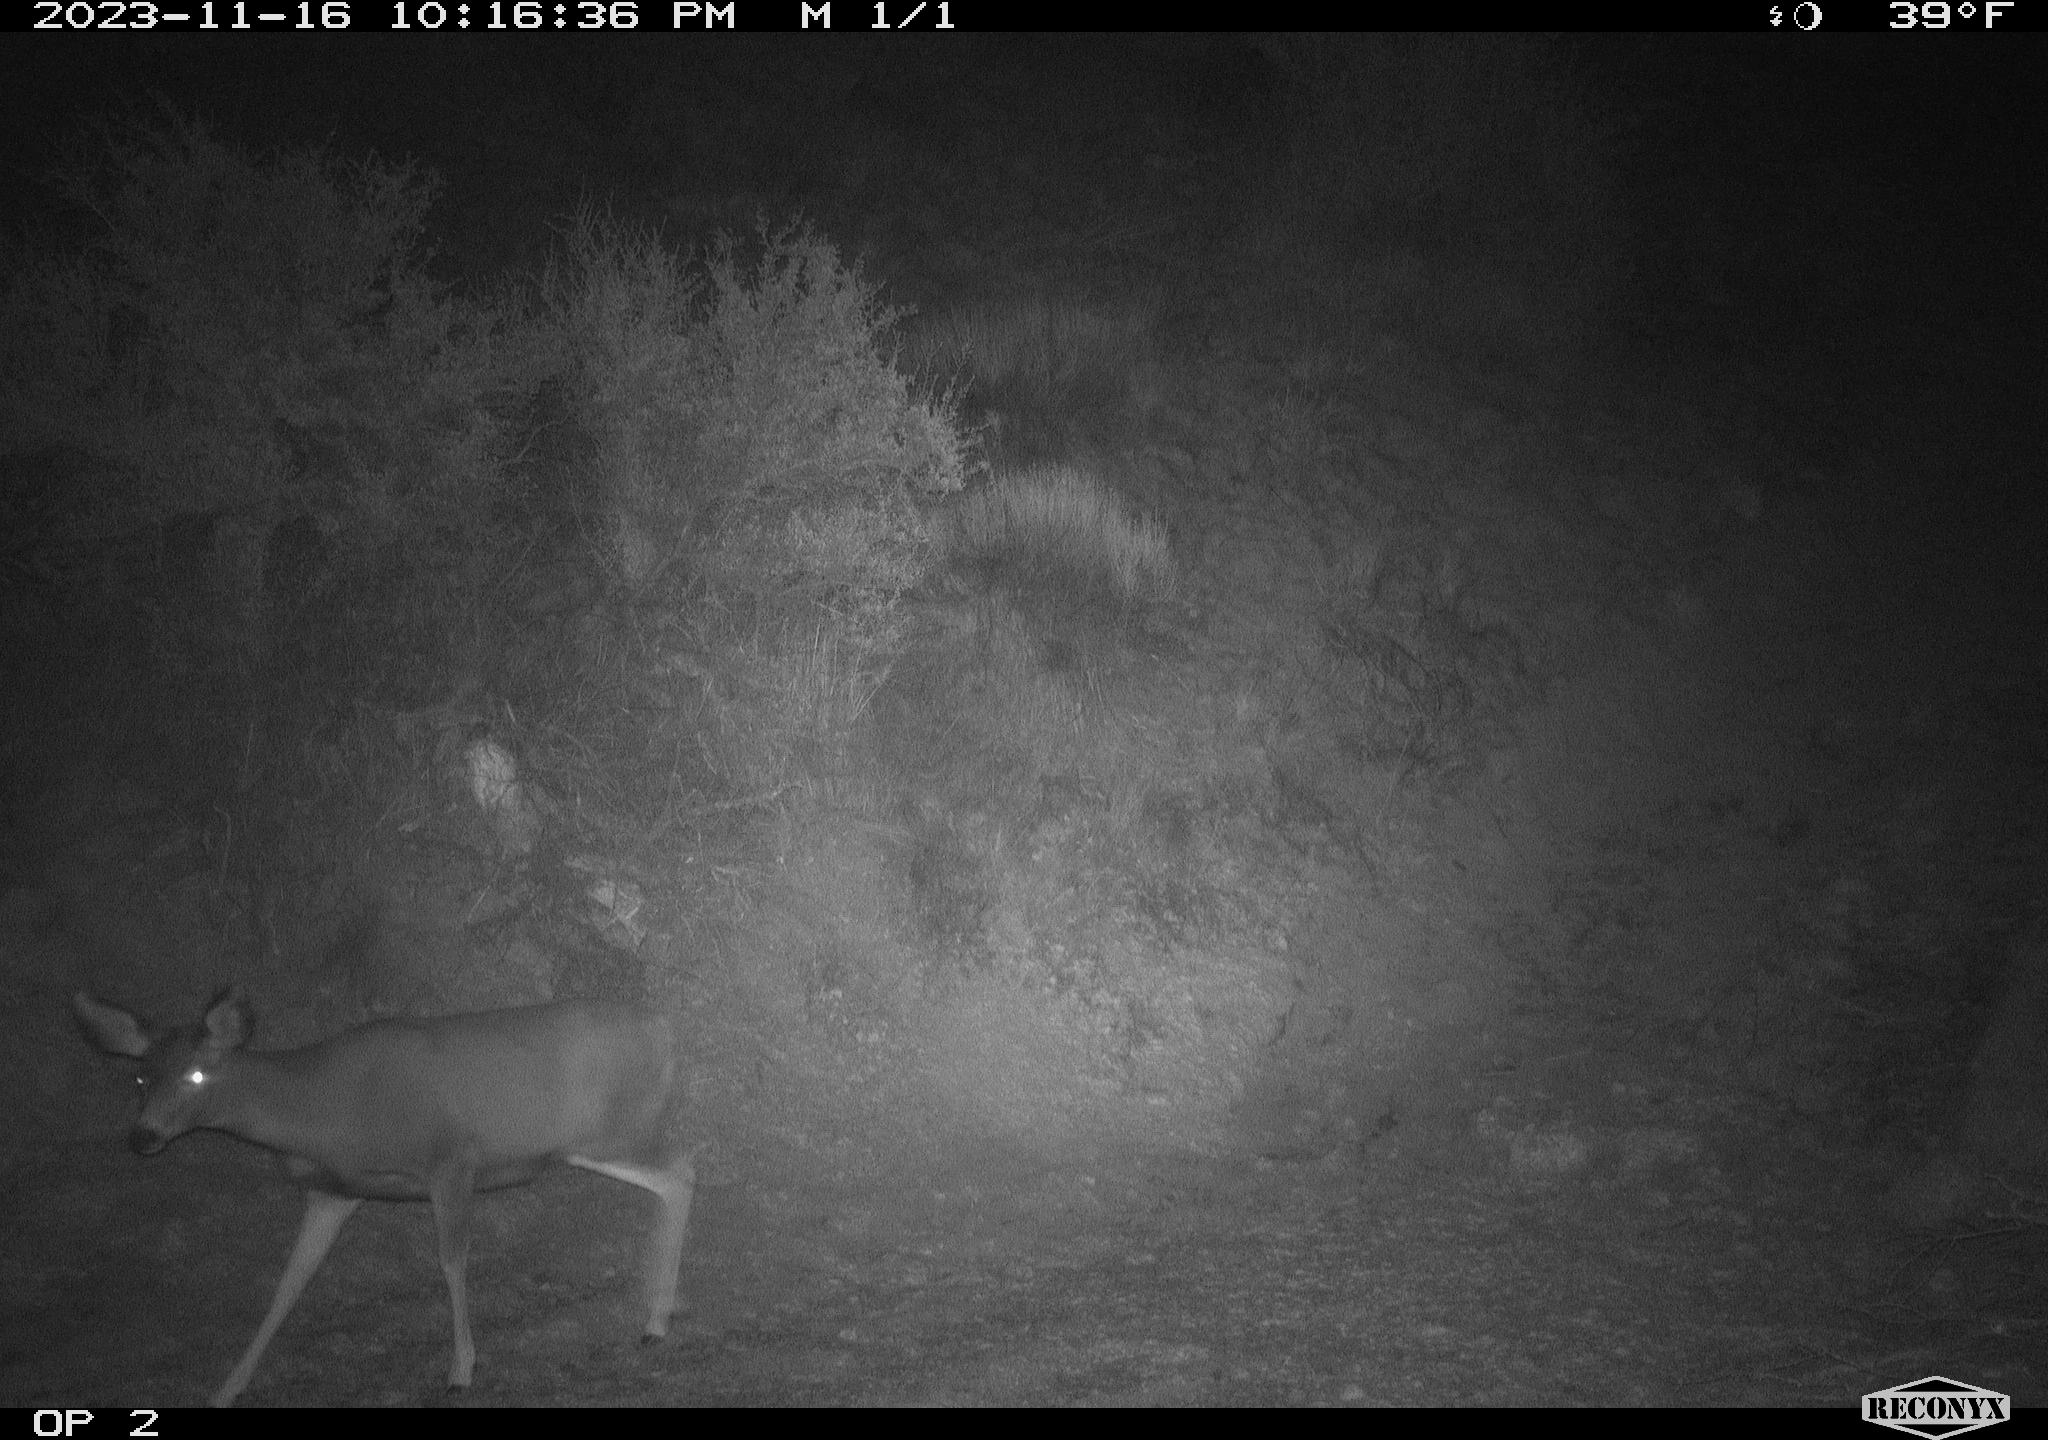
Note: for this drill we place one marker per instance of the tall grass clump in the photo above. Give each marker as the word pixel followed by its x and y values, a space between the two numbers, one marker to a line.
pixel 1059 530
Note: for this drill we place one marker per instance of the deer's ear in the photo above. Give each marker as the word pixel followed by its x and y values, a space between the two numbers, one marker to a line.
pixel 110 1027
pixel 229 1022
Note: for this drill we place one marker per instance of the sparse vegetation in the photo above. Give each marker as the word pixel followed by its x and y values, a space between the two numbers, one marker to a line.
pixel 1041 374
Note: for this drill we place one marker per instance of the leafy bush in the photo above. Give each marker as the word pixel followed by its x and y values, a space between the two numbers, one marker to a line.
pixel 756 455
pixel 252 339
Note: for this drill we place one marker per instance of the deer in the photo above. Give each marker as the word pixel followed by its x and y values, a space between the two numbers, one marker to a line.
pixel 435 1109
